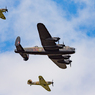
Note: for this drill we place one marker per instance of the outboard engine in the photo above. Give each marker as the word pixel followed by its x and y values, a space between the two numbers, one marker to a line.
pixel 55 39
pixel 65 61
pixel 66 56
pixel 60 45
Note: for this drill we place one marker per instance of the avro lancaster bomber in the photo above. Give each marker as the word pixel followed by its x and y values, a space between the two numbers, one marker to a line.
pixel 58 53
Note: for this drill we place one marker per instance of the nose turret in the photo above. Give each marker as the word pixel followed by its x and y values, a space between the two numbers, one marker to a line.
pixel 72 49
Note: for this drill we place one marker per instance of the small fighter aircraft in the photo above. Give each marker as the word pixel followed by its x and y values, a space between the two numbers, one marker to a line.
pixel 1 13
pixel 58 53
pixel 41 82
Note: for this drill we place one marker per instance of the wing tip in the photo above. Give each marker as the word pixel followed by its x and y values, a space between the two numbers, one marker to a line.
pixel 17 42
pixel 40 24
pixel 39 76
pixel 49 90
pixel 3 18
pixel 63 67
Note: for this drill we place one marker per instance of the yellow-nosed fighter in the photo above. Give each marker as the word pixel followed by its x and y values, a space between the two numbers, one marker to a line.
pixel 41 82
pixel 1 13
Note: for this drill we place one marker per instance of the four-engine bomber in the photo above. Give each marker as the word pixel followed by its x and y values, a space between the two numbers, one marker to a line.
pixel 58 53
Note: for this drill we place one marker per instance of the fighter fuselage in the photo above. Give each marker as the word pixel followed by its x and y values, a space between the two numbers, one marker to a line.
pixel 4 10
pixel 38 83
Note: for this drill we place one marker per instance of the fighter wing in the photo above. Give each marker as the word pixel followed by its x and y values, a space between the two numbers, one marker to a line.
pixel 56 59
pixel 45 38
pixel 44 83
pixel 2 15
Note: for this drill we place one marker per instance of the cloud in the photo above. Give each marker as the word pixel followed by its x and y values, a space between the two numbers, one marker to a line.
pixel 79 78
pixel 21 21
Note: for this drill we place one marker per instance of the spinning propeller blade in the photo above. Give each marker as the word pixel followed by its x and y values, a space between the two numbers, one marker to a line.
pixel 52 83
pixel 6 9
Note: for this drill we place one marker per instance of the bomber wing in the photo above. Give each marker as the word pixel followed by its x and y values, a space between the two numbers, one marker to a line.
pixel 49 44
pixel 44 83
pixel 46 38
pixel 2 15
pixel 56 59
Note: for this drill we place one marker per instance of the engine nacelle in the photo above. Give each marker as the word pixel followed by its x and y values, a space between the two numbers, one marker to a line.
pixel 66 56
pixel 53 39
pixel 65 61
pixel 26 58
pixel 60 45
pixel 56 39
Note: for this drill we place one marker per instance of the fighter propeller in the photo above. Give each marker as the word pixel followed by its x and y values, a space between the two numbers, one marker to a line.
pixel 6 9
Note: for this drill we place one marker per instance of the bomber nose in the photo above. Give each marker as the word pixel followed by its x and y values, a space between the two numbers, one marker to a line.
pixel 73 48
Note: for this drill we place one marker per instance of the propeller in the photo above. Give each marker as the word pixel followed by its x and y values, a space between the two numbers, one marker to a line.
pixel 58 41
pixel 52 83
pixel 70 62
pixel 6 9
pixel 63 44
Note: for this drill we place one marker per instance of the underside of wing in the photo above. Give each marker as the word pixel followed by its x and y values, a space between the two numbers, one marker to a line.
pixel 43 83
pixel 2 16
pixel 41 80
pixel 56 59
pixel 46 38
pixel 46 87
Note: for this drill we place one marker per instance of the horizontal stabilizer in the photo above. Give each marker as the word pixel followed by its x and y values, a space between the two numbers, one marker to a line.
pixel 17 42
pixel 20 50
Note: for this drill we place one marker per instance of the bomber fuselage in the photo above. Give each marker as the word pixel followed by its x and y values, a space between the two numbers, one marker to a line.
pixel 40 51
